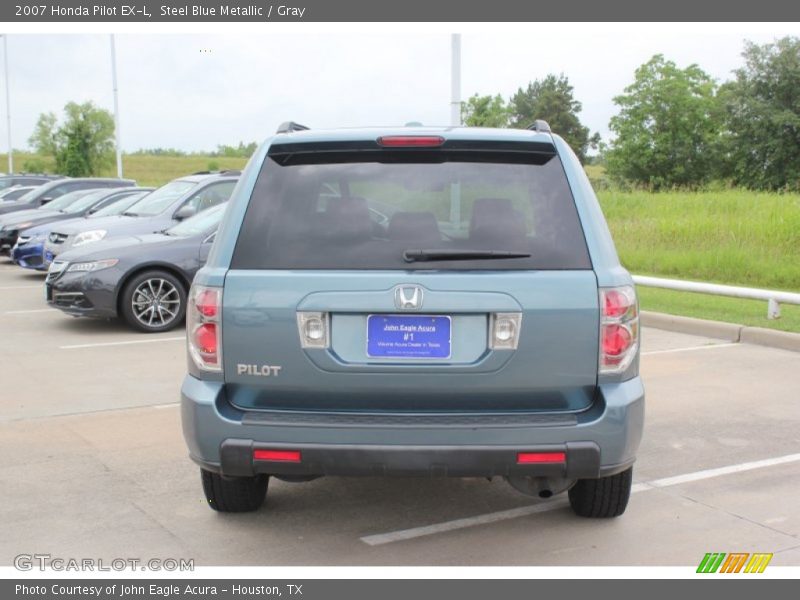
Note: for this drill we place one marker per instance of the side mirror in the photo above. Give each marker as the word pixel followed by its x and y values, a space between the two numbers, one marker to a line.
pixel 45 200
pixel 184 212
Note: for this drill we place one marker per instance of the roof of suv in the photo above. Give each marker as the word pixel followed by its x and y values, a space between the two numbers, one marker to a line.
pixel 449 133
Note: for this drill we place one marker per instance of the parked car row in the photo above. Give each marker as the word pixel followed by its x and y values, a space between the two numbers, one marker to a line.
pixel 47 192
pixel 29 249
pixel 112 249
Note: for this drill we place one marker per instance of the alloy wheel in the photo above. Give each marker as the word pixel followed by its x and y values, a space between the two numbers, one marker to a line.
pixel 155 302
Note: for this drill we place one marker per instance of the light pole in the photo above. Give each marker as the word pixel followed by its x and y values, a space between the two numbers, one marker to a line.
pixel 8 106
pixel 455 80
pixel 116 106
pixel 455 120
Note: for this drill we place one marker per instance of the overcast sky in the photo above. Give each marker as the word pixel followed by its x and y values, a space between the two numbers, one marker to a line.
pixel 196 91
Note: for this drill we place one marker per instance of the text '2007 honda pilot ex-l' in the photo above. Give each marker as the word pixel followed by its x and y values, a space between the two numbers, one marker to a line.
pixel 414 302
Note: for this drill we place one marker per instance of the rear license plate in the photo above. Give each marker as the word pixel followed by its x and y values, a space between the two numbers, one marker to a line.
pixel 407 336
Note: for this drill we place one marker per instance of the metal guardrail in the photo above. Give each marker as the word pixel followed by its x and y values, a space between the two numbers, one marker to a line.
pixel 774 298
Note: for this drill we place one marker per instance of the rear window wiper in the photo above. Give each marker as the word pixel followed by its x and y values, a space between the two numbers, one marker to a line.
pixel 423 255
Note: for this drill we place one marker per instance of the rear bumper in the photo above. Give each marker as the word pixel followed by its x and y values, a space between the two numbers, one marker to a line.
pixel 598 442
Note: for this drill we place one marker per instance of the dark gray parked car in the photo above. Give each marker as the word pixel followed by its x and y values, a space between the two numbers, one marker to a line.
pixel 163 208
pixel 28 179
pixel 15 193
pixel 143 279
pixel 52 190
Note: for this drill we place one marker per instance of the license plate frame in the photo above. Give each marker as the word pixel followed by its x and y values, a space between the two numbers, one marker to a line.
pixel 422 345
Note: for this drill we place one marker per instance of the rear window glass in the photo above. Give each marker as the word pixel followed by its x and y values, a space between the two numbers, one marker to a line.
pixel 412 210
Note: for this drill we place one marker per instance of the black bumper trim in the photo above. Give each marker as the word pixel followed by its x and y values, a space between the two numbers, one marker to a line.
pixel 236 460
pixel 417 420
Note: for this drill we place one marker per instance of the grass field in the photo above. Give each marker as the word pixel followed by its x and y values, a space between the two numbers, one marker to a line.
pixel 727 236
pixel 146 169
pixel 718 308
pixel 730 236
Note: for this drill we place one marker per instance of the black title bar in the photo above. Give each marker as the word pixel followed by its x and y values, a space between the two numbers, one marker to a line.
pixel 178 11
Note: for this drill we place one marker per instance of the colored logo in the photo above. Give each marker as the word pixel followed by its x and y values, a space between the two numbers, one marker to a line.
pixel 734 562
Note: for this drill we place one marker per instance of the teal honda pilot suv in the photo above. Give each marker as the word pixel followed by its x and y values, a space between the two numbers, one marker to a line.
pixel 414 302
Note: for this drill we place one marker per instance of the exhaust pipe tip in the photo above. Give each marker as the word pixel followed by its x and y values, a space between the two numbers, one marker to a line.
pixel 543 488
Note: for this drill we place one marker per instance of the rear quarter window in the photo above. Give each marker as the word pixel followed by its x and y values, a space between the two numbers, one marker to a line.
pixel 364 210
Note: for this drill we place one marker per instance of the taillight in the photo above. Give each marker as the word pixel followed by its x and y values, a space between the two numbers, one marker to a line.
pixel 204 327
pixel 411 141
pixel 206 302
pixel 619 328
pixel 616 339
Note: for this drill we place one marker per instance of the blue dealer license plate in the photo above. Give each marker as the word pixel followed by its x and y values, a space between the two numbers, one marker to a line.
pixel 407 336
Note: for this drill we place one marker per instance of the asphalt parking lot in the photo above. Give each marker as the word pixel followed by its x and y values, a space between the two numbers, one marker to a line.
pixel 94 465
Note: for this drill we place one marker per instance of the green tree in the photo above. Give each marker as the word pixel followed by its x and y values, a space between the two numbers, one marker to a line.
pixel 82 145
pixel 485 111
pixel 241 151
pixel 552 100
pixel 762 112
pixel 669 128
pixel 43 138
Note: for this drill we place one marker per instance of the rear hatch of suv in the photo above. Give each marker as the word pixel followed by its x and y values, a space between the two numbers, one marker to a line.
pixel 411 274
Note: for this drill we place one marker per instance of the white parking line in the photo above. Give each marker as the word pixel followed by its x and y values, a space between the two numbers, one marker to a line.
pixel 709 473
pixel 168 405
pixel 25 312
pixel 126 343
pixel 705 347
pixel 415 532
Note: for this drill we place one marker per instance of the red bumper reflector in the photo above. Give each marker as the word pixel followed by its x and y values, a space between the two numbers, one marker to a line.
pixel 277 455
pixel 411 141
pixel 527 458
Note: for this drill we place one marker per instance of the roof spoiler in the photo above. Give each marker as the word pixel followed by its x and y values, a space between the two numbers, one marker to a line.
pixel 540 126
pixel 290 126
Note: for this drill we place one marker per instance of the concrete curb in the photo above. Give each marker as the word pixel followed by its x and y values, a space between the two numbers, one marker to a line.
pixel 730 332
pixel 770 337
pixel 713 329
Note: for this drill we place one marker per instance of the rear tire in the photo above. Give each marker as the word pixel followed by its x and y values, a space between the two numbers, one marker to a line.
pixel 234 494
pixel 602 498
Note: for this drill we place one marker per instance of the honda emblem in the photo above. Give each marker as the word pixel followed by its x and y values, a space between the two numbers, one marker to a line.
pixel 408 297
